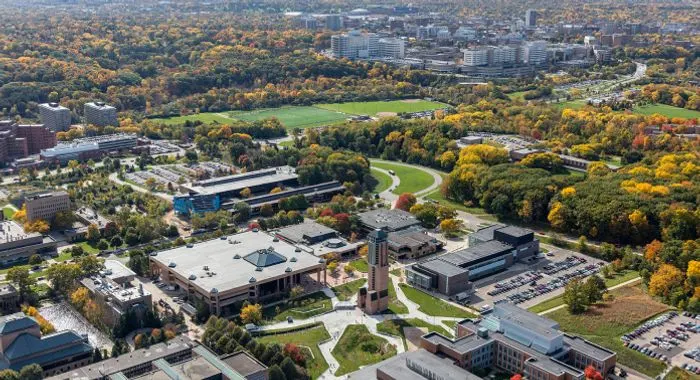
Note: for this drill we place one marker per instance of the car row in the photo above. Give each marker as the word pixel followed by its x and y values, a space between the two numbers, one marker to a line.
pixel 552 285
pixel 569 262
pixel 647 351
pixel 693 354
pixel 691 368
pixel 648 325
pixel 514 283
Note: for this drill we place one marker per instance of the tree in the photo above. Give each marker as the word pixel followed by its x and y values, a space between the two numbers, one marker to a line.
pixel 93 234
pixel 35 259
pixel 31 372
pixel 592 374
pixel 594 289
pixel 405 201
pixel 246 193
pixel 296 291
pixel 575 297
pixel 39 225
pixel 516 376
pixel 19 276
pixel 266 210
pixel 90 264
pixel 665 280
pixel 102 245
pixel 332 266
pixel 63 276
pixel 242 211
pixel 451 226
pixel 8 374
pixel 63 220
pixel 289 368
pixel 276 373
pixel 349 270
pixel 251 313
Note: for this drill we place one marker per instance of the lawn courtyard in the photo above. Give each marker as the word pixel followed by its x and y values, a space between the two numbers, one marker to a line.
pixel 358 347
pixel 307 338
pixel 412 179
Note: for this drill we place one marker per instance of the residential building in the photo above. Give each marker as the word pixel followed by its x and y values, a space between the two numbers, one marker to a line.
pixel 517 341
pixel 391 47
pixel 334 22
pixel 318 239
pixel 9 299
pixel 374 298
pixel 21 344
pixel 531 18
pixel 100 114
pixel 178 358
pixel 17 246
pixel 45 206
pixel 478 56
pixel 54 116
pixel 18 141
pixel 354 44
pixel 227 271
pixel 535 53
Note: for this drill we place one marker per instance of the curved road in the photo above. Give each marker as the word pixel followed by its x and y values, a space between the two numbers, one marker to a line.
pixel 388 195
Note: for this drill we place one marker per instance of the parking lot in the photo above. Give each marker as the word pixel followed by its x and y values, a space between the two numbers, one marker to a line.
pixel 529 284
pixel 670 337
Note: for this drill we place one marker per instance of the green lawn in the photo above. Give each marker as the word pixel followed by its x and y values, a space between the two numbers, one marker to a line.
pixel 573 104
pixel 395 306
pixel 412 180
pixel 206 117
pixel 518 95
pixel 679 374
pixel 358 347
pixel 300 308
pixel 346 291
pixel 451 323
pixel 546 305
pixel 437 196
pixel 293 117
pixel 373 108
pixel 396 272
pixel 383 180
pixel 396 326
pixel 604 324
pixel 360 265
pixel 306 338
pixel 433 306
pixel 666 110
pixel 9 211
pixel 88 248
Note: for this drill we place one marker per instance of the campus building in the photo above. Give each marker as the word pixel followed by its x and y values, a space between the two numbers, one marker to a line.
pixel 224 192
pixel 45 206
pixel 100 114
pixel 178 358
pixel 54 116
pixel 354 44
pixel 389 220
pixel 9 299
pixel 17 246
pixel 491 250
pixel 224 272
pixel 374 298
pixel 18 141
pixel 113 290
pixel 517 341
pixel 90 147
pixel 412 243
pixel 317 239
pixel 21 344
pixel 414 365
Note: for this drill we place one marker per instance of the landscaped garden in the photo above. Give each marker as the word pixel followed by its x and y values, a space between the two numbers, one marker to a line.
pixel 346 291
pixel 396 327
pixel 358 347
pixel 308 339
pixel 300 308
pixel 433 306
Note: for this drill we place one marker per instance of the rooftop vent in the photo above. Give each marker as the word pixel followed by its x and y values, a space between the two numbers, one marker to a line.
pixel 293 259
pixel 252 280
pixel 236 256
pixel 192 277
pixel 297 249
pixel 275 239
pixel 190 245
pixel 258 269
pixel 214 290
pixel 172 264
pixel 288 269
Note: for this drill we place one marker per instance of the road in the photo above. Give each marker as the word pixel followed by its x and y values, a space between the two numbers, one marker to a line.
pixel 391 197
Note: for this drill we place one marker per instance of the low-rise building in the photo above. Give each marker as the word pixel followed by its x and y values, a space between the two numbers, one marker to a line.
pixel 388 220
pixel 517 341
pixel 9 299
pixel 90 147
pixel 318 239
pixel 21 344
pixel 412 243
pixel 249 266
pixel 45 206
pixel 413 365
pixel 17 246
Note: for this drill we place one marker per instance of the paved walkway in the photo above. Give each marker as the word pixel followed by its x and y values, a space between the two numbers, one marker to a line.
pixel 395 181
pixel 388 195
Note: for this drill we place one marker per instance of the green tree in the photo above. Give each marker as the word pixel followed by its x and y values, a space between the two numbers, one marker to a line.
pixel 276 373
pixel 575 297
pixel 63 276
pixel 35 259
pixel 19 276
pixel 593 289
pixel 31 372
pixel 8 374
pixel 93 234
pixel 289 368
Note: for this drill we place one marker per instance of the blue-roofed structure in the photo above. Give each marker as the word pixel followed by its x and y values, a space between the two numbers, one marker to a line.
pixel 21 344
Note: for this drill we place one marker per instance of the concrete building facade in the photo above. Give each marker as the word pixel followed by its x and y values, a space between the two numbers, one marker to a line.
pixel 100 114
pixel 55 116
pixel 17 246
pixel 374 298
pixel 46 206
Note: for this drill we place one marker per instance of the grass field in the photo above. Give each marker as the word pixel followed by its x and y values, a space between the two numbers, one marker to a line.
pixel 206 117
pixel 306 338
pixel 605 323
pixel 679 374
pixel 293 117
pixel 346 291
pixel 357 347
pixel 360 265
pixel 383 180
pixel 395 306
pixel 433 306
pixel 8 211
pixel 412 180
pixel 437 196
pixel 573 104
pixel 396 326
pixel 666 110
pixel 374 108
pixel 300 308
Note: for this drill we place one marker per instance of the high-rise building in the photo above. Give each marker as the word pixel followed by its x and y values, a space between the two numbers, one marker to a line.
pixel 501 55
pixel 20 141
pixel 375 297
pixel 535 53
pixel 55 116
pixel 476 56
pixel 334 22
pixel 531 18
pixel 354 45
pixel 391 47
pixel 100 114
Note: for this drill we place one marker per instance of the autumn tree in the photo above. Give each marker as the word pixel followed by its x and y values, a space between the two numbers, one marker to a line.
pixel 251 313
pixel 405 201
pixel 450 227
pixel 575 297
pixel 665 280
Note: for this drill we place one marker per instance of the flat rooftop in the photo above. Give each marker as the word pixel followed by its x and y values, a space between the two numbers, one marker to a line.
pixel 442 267
pixel 409 366
pixel 472 255
pixel 243 363
pixel 238 182
pixel 47 195
pixel 299 233
pixel 236 260
pixel 116 270
pixel 388 220
pixel 11 231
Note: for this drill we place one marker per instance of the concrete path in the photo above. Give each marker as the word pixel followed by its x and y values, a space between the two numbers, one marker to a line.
pixel 395 181
pixel 437 178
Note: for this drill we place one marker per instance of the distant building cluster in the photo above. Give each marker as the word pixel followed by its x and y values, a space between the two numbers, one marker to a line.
pixel 355 44
pixel 19 141
pixel 17 246
pixel 89 147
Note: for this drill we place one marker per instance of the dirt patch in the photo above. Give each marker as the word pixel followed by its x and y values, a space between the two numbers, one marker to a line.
pixel 410 100
pixel 386 114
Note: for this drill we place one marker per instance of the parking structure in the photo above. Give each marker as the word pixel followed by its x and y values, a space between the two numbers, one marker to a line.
pixel 671 337
pixel 527 284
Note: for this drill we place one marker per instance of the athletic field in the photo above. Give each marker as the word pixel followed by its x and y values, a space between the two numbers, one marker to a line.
pixel 377 108
pixel 666 110
pixel 292 117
